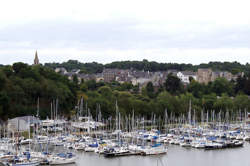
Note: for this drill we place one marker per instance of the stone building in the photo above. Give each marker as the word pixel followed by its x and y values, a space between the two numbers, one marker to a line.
pixel 36 60
pixel 204 75
pixel 109 75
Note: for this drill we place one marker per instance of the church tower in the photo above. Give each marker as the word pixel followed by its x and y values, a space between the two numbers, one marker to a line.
pixel 36 60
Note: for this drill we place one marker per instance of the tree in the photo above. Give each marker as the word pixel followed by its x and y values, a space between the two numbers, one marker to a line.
pixel 196 89
pixel 208 101
pixel 75 79
pixel 241 102
pixel 91 84
pixel 2 80
pixel 17 67
pixel 240 84
pixel 4 104
pixel 150 89
pixel 223 103
pixel 247 86
pixel 173 84
pixel 221 85
pixel 105 91
pixel 83 87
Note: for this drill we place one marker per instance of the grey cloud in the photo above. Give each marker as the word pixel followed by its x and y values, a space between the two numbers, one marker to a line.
pixel 120 34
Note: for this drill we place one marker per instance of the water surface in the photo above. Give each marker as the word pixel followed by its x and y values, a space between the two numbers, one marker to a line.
pixel 177 156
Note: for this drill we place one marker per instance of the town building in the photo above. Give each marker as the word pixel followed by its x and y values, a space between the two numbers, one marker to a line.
pixel 61 70
pixel 36 60
pixel 109 75
pixel 204 75
pixel 185 76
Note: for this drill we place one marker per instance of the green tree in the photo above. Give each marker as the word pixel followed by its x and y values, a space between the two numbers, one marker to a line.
pixel 173 84
pixel 221 85
pixel 208 101
pixel 196 89
pixel 223 103
pixel 241 102
pixel 150 90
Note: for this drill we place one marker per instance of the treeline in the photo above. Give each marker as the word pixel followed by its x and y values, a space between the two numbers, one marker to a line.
pixel 21 85
pixel 233 67
pixel 93 67
pixel 218 96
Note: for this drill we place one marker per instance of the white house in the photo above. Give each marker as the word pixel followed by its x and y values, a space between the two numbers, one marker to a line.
pixel 185 75
pixel 61 70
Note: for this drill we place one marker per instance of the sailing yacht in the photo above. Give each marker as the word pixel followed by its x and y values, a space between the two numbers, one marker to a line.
pixel 62 159
pixel 154 150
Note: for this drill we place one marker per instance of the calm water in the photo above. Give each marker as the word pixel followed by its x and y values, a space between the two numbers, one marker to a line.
pixel 177 156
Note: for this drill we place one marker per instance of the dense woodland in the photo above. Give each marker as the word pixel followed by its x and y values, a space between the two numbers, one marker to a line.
pixel 21 85
pixel 233 67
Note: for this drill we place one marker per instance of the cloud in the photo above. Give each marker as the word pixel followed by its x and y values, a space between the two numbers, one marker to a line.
pixel 168 31
pixel 173 55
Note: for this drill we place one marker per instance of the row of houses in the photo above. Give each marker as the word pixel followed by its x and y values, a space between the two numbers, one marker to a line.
pixel 141 78
pixel 207 75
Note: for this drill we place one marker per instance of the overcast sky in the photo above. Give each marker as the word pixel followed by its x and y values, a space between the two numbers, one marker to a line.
pixel 182 31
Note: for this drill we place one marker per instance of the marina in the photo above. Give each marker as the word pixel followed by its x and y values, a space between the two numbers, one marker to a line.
pixel 124 83
pixel 61 142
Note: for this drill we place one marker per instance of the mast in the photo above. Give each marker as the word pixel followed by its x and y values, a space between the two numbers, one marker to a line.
pixel 133 120
pixel 51 110
pixel 117 116
pixel 56 108
pixel 189 113
pixel 29 131
pixel 81 107
pixel 37 113
pixel 207 117
pixel 194 117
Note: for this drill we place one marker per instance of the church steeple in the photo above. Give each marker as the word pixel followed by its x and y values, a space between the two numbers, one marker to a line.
pixel 36 60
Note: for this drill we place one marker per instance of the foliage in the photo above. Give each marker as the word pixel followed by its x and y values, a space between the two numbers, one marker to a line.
pixel 21 85
pixel 233 67
pixel 173 84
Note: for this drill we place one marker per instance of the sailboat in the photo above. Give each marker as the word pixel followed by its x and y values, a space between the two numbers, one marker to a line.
pixel 25 160
pixel 62 159
pixel 156 149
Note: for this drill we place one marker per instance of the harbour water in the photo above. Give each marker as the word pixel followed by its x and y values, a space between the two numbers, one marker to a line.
pixel 176 156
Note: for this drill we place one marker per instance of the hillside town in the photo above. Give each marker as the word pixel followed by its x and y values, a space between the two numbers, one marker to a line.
pixel 141 78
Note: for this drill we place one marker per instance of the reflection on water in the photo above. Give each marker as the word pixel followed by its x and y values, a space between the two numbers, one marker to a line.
pixel 177 156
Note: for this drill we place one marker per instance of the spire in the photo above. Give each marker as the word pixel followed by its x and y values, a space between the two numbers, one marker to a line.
pixel 36 60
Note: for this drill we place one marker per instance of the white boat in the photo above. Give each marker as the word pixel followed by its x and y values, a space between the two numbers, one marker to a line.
pixel 246 138
pixel 240 137
pixel 3 163
pixel 61 159
pixel 80 146
pixel 135 148
pixel 6 156
pixel 26 141
pixel 200 145
pixel 42 139
pixel 90 149
pixel 177 142
pixel 155 150
pixel 172 141
pixel 24 161
pixel 115 151
pixel 100 150
pixel 185 144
